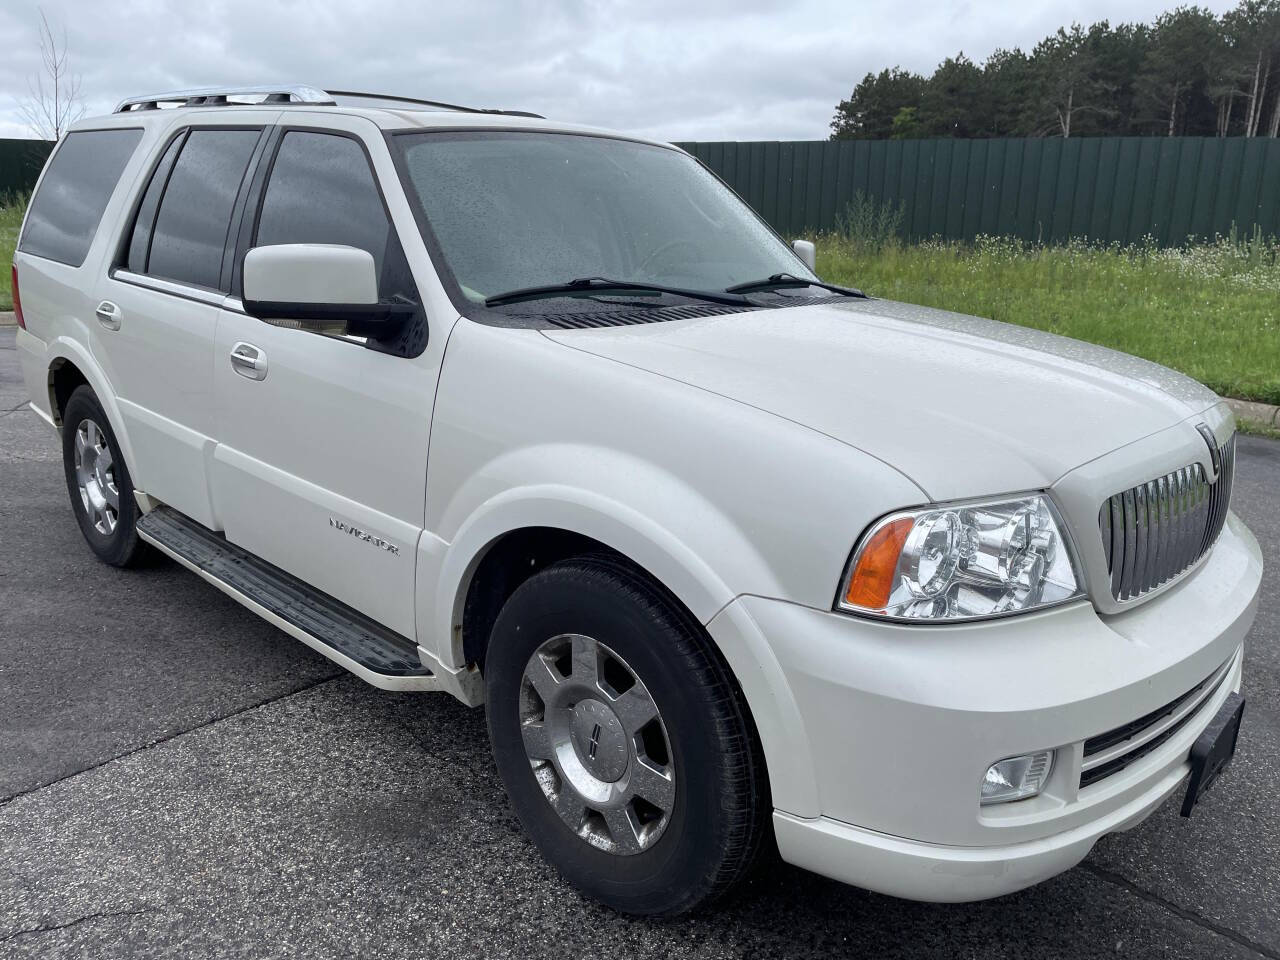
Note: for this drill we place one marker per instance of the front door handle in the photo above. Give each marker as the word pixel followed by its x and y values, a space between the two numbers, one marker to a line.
pixel 248 361
pixel 108 315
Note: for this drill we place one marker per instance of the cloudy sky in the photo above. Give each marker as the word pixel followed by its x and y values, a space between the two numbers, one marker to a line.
pixel 674 69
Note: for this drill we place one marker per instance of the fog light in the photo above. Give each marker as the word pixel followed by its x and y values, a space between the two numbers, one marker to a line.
pixel 1017 778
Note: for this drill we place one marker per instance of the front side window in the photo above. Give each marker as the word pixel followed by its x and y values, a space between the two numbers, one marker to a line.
pixel 511 210
pixel 190 233
pixel 322 190
pixel 67 208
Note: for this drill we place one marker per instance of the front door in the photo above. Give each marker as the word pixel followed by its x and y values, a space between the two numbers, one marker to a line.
pixel 321 461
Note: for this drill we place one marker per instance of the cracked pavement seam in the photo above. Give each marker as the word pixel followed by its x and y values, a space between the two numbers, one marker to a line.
pixel 1124 883
pixel 5 801
pixel 52 928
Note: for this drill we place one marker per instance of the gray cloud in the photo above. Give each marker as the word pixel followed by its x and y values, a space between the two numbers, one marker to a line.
pixel 673 69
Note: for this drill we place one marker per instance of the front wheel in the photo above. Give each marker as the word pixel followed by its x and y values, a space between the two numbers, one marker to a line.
pixel 98 482
pixel 621 739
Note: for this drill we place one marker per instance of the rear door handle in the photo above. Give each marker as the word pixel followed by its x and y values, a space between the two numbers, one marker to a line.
pixel 248 361
pixel 108 315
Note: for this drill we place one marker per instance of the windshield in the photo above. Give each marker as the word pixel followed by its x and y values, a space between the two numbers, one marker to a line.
pixel 513 210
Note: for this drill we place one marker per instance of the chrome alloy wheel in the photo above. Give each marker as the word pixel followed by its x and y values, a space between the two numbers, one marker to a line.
pixel 95 476
pixel 597 744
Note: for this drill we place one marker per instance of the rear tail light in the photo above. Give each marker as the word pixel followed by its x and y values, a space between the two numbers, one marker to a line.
pixel 17 300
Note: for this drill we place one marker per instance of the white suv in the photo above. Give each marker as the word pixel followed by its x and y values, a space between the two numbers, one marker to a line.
pixel 545 417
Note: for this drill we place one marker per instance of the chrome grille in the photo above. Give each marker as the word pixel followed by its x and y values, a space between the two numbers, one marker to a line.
pixel 1155 531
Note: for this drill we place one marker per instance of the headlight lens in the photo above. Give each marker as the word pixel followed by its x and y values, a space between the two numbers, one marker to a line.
pixel 962 562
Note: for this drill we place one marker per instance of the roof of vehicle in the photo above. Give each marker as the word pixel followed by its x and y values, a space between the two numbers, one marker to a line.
pixel 388 111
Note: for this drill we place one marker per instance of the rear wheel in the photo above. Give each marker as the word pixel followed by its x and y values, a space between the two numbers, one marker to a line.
pixel 622 740
pixel 98 482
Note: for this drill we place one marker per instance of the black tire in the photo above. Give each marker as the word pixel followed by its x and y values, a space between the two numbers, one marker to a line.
pixel 120 547
pixel 719 816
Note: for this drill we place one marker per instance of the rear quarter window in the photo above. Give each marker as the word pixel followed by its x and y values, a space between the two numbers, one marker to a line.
pixel 67 208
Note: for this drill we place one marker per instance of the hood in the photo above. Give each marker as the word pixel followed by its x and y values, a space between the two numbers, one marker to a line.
pixel 963 406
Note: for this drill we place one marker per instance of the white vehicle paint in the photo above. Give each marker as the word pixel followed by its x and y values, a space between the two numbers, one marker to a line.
pixel 737 457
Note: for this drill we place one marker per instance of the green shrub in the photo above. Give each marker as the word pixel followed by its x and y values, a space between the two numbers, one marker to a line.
pixel 869 225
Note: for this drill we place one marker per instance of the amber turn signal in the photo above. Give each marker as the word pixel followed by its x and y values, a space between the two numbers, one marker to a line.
pixel 871 580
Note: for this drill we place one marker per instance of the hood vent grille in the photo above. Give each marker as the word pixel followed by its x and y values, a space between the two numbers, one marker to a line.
pixel 1156 531
pixel 626 318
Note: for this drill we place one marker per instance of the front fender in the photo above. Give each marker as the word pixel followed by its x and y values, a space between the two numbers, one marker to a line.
pixel 648 540
pixel 637 522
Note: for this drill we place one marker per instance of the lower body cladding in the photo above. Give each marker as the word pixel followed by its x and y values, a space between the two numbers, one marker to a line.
pixel 877 781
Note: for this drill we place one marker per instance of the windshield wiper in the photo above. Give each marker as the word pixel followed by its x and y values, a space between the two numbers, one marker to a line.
pixel 779 280
pixel 599 284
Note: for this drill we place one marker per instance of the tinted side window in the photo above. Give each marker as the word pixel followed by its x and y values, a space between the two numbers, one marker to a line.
pixel 195 213
pixel 140 240
pixel 322 190
pixel 68 206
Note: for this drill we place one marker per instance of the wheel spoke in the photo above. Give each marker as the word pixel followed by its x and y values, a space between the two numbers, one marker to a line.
pixel 82 442
pixel 586 661
pixel 653 785
pixel 571 807
pixel 622 829
pixel 91 433
pixel 544 677
pixel 537 741
pixel 635 708
pixel 104 459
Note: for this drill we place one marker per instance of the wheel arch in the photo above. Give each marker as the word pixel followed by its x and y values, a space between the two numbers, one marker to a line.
pixel 69 366
pixel 555 519
pixel 564 529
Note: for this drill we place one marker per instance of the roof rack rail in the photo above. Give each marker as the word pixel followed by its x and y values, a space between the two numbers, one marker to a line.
pixel 284 94
pixel 217 97
pixel 396 98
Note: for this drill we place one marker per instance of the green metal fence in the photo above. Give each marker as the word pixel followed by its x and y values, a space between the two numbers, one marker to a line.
pixel 1105 189
pixel 20 164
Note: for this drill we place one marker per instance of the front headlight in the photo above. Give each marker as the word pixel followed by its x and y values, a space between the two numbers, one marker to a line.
pixel 962 562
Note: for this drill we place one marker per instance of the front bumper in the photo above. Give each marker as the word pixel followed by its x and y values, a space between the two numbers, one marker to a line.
pixel 897 725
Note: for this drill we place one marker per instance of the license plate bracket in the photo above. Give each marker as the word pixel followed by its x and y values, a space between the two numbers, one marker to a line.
pixel 1213 750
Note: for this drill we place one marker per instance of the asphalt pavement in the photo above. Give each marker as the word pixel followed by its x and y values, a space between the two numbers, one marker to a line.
pixel 178 778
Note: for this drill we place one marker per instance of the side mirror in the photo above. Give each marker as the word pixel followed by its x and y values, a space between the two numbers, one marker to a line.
pixel 807 252
pixel 319 282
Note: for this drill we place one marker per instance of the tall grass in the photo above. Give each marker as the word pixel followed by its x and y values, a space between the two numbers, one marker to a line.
pixel 1210 310
pixel 12 206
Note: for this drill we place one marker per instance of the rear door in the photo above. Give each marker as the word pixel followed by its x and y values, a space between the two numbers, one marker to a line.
pixel 159 307
pixel 69 225
pixel 320 466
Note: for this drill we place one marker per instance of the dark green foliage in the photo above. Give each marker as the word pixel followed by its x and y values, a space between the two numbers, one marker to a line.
pixel 869 113
pixel 20 164
pixel 956 102
pixel 1191 73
